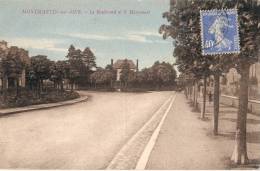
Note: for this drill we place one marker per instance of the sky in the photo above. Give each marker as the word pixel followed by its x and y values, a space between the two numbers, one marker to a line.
pixel 113 29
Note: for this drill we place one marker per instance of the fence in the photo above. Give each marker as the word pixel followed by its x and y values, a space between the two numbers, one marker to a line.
pixel 253 105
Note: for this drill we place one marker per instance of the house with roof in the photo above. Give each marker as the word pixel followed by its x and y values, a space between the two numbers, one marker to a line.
pixel 119 64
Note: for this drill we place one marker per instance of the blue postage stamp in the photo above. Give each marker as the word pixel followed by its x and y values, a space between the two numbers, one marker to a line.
pixel 219 32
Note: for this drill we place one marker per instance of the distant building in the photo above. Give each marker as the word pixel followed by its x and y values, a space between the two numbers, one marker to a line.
pixel 118 66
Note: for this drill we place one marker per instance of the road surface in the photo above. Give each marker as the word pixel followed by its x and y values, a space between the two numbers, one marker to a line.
pixel 81 136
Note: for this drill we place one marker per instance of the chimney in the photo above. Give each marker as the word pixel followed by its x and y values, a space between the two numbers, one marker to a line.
pixel 112 62
pixel 137 65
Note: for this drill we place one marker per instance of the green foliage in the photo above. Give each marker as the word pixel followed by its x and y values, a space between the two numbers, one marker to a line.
pixel 77 69
pixel 40 67
pixel 163 73
pixel 125 72
pixel 27 98
pixel 89 58
pixel 58 73
pixel 12 63
pixel 184 28
pixel 102 76
pixel 145 76
pixel 160 74
pixel 81 65
pixel 157 75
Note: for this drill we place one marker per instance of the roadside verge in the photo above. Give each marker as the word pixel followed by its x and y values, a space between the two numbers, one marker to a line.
pixel 41 106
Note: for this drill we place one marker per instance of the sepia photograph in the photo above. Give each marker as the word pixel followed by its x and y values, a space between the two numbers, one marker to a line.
pixel 129 84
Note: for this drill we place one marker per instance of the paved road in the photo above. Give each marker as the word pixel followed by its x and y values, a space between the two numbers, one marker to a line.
pixel 81 136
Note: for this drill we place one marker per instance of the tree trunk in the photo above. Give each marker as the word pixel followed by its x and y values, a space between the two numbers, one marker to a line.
pixel 4 87
pixel 71 86
pixel 41 86
pixel 17 88
pixel 190 92
pixel 194 93
pixel 111 84
pixel 204 97
pixel 61 85
pixel 196 96
pixel 186 92
pixel 216 103
pixel 240 151
pixel 39 89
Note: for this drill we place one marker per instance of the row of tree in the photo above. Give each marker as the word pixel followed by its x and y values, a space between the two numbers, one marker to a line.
pixel 76 69
pixel 13 61
pixel 184 28
pixel 156 76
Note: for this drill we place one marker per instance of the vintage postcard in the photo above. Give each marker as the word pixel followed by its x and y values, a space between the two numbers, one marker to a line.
pixel 129 84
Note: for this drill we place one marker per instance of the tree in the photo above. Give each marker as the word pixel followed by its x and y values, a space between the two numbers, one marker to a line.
pixel 13 66
pixel 163 74
pixel 148 76
pixel 82 65
pixel 1 70
pixel 71 52
pixel 32 79
pixel 185 29
pixel 102 77
pixel 89 58
pixel 40 70
pixel 77 69
pixel 219 66
pixel 248 17
pixel 183 15
pixel 4 75
pixel 125 72
pixel 57 72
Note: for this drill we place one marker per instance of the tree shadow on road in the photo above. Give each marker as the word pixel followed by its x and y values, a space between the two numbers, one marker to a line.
pixel 223 112
pixel 254 163
pixel 230 165
pixel 229 135
pixel 253 137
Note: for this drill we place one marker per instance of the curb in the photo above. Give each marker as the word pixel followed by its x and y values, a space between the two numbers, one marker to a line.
pixel 144 158
pixel 41 106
